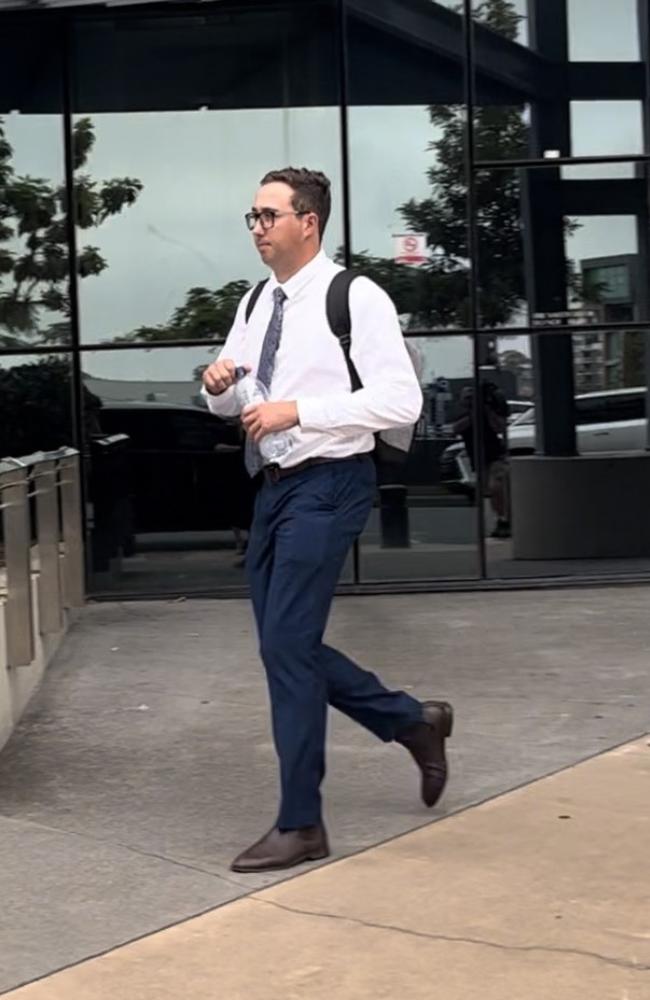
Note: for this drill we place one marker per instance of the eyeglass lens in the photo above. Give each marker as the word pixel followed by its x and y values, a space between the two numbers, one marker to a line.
pixel 267 219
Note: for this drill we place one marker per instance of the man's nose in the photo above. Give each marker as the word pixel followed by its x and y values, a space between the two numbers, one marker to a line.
pixel 258 228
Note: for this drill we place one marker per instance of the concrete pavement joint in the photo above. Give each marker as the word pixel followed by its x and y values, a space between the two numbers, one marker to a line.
pixel 126 847
pixel 620 963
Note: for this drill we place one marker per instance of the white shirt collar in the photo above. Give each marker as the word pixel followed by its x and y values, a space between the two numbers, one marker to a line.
pixel 297 281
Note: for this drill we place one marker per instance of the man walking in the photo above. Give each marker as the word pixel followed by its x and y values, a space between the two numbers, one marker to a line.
pixel 314 503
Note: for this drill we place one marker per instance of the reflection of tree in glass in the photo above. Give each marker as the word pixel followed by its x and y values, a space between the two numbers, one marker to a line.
pixel 35 407
pixel 33 240
pixel 205 315
pixel 500 133
pixel 437 294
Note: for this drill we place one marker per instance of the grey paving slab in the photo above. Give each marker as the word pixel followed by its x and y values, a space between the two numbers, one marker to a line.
pixel 66 896
pixel 150 735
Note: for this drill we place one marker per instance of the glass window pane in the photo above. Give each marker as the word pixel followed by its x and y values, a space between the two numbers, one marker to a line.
pixel 34 294
pixel 610 36
pixel 524 96
pixel 406 122
pixel 605 128
pixel 502 293
pixel 541 263
pixel 424 525
pixel 509 19
pixel 603 258
pixel 35 403
pixel 502 116
pixel 169 498
pixel 170 501
pixel 617 407
pixel 414 198
pixel 600 171
pixel 557 526
pixel 178 138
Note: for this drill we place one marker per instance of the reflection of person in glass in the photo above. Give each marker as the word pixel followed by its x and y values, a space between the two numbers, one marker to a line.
pixel 494 414
pixel 314 502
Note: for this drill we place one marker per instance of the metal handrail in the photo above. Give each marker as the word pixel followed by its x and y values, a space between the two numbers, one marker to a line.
pixel 52 480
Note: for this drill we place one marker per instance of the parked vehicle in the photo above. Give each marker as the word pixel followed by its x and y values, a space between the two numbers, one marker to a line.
pixel 183 467
pixel 612 420
pixel 517 408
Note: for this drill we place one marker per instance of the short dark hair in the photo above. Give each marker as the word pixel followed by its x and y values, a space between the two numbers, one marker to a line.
pixel 311 191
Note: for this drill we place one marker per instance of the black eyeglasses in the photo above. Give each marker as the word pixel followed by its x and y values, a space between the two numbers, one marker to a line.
pixel 266 217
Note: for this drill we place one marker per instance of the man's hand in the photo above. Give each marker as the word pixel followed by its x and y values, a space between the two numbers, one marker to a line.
pixel 265 418
pixel 219 376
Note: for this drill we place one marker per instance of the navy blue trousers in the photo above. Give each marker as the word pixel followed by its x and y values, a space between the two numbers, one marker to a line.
pixel 302 530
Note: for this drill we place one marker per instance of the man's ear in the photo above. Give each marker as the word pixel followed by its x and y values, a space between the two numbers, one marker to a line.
pixel 312 223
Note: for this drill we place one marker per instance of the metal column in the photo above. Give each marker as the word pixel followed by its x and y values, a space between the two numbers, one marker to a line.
pixel 545 258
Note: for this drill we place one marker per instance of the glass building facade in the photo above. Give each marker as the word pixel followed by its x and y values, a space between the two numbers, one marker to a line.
pixel 489 163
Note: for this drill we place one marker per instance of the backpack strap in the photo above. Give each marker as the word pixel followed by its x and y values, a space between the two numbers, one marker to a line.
pixel 255 294
pixel 337 306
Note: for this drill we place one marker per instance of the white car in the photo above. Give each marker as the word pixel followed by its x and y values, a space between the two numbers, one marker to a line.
pixel 517 408
pixel 612 420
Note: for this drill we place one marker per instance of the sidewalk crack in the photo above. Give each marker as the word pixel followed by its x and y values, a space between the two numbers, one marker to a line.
pixel 611 960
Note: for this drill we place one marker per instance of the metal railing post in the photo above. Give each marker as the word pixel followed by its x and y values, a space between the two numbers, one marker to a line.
pixel 69 471
pixel 44 480
pixel 17 544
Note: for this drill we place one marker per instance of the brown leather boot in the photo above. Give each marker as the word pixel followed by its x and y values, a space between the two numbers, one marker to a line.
pixel 280 849
pixel 425 741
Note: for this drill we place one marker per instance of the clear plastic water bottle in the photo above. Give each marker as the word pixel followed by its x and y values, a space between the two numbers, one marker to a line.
pixel 249 390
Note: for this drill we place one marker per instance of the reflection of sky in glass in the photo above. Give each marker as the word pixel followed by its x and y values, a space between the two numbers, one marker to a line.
pixel 398 168
pixel 175 365
pixel 605 128
pixel 602 236
pixel 443 357
pixel 200 171
pixel 600 31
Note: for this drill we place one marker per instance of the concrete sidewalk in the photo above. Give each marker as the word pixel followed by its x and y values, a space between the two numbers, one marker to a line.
pixel 145 762
pixel 541 893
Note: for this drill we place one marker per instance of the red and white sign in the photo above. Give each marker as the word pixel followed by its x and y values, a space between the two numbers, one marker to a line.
pixel 411 248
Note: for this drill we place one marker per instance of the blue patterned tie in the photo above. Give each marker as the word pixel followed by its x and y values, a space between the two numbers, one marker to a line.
pixel 252 454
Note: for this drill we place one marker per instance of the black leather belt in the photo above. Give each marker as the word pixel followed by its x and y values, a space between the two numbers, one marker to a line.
pixel 274 473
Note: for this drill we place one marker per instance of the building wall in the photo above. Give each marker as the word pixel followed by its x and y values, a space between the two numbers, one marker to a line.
pixel 161 122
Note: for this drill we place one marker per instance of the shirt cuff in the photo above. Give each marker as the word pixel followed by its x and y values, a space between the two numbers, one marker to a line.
pixel 311 414
pixel 223 405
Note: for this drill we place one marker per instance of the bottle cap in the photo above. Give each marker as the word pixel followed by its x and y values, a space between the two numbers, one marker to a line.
pixel 240 372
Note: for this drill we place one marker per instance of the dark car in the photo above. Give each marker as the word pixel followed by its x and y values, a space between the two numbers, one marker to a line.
pixel 182 467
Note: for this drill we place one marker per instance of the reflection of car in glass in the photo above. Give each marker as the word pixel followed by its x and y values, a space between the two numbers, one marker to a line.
pixel 612 420
pixel 518 407
pixel 183 467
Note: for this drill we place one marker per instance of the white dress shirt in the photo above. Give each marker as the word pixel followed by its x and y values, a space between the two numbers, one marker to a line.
pixel 310 365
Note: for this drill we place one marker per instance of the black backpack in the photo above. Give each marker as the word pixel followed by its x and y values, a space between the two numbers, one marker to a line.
pixel 392 447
